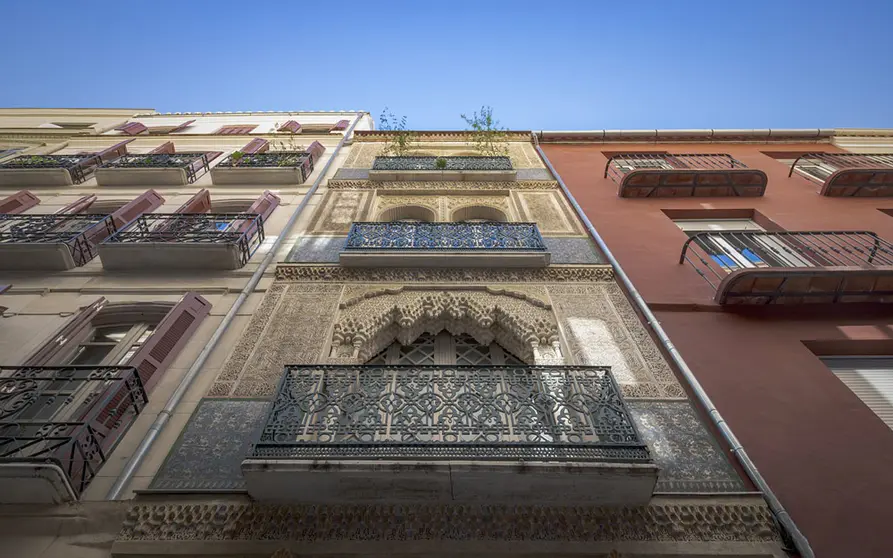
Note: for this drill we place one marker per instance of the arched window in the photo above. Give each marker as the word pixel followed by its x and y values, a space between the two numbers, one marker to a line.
pixel 408 213
pixel 478 213
pixel 445 348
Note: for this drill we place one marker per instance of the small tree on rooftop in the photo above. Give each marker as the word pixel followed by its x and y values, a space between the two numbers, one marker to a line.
pixel 488 138
pixel 401 141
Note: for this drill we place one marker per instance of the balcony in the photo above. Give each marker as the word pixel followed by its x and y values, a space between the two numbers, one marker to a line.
pixel 664 175
pixel 446 169
pixel 793 267
pixel 184 241
pixel 848 174
pixel 449 433
pixel 463 244
pixel 153 169
pixel 50 242
pixel 47 170
pixel 270 167
pixel 58 425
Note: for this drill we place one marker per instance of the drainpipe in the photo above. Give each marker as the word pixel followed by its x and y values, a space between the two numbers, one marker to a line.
pixel 164 416
pixel 781 515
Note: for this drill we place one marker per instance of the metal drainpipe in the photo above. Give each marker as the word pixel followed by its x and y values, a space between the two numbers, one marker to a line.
pixel 778 510
pixel 164 416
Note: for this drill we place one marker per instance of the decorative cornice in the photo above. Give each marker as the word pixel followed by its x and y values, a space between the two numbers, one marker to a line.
pixel 434 135
pixel 686 136
pixel 454 186
pixel 686 521
pixel 338 274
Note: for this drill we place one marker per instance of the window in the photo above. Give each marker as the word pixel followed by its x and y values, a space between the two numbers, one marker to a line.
pixel 731 250
pixel 408 214
pixel 630 164
pixel 111 345
pixel 870 379
pixel 236 130
pixel 446 349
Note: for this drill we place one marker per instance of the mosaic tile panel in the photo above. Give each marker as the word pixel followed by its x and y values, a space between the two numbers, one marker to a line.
pixel 689 458
pixel 209 452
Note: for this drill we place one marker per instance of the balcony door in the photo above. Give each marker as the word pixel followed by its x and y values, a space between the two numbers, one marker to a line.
pixel 446 349
pixel 733 251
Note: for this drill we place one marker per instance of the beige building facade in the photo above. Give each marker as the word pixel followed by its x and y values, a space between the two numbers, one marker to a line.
pixel 259 334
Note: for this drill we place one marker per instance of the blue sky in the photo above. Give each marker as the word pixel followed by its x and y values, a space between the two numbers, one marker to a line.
pixel 541 65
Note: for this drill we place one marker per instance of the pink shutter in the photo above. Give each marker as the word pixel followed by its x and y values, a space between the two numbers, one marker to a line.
pixel 113 152
pixel 211 155
pixel 199 203
pixel 18 202
pixel 169 337
pixel 78 206
pixel 291 126
pixel 166 147
pixel 316 150
pixel 147 201
pixel 132 128
pixel 340 126
pixel 265 204
pixel 181 126
pixel 257 145
pixel 71 332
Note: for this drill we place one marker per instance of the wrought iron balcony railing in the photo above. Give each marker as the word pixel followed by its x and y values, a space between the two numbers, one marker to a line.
pixel 497 413
pixel 75 231
pixel 488 235
pixel 498 163
pixel 69 415
pixel 78 166
pixel 848 174
pixel 194 164
pixel 243 230
pixel 756 267
pixel 683 175
pixel 271 159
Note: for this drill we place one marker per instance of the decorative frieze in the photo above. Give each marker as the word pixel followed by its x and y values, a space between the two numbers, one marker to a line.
pixel 338 274
pixel 437 185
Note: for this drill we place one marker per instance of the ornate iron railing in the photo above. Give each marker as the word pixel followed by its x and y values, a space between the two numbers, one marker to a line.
pixel 245 230
pixel 498 163
pixel 487 235
pixel 195 164
pixel 820 166
pixel 75 231
pixel 619 165
pixel 716 254
pixel 69 415
pixel 555 413
pixel 271 159
pixel 78 166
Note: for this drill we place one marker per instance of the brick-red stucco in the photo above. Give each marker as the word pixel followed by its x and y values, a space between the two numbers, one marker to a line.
pixel 825 454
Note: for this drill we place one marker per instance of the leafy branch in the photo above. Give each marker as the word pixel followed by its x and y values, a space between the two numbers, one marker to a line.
pixel 401 140
pixel 488 137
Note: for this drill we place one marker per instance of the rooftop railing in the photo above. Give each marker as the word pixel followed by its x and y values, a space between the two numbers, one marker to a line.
pixel 461 163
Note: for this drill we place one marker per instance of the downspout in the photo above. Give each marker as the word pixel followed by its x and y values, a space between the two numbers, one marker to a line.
pixel 781 515
pixel 164 416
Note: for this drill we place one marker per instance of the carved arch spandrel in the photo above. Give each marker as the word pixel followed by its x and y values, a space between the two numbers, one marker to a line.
pixel 518 318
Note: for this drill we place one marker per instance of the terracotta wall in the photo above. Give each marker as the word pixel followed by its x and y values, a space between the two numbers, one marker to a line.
pixel 827 456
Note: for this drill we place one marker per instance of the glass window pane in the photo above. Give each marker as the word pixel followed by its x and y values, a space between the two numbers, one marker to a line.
pixel 91 354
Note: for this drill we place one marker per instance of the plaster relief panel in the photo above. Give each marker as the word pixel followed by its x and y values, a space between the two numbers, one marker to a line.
pixel 338 210
pixel 443 206
pixel 549 211
pixel 602 329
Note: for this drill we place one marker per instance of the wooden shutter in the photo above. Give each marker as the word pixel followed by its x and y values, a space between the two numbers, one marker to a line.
pixel 340 126
pixel 132 128
pixel 199 203
pixel 169 338
pixel 265 204
pixel 870 379
pixel 166 147
pixel 316 150
pixel 148 201
pixel 18 202
pixel 72 332
pixel 180 127
pixel 235 130
pixel 291 126
pixel 257 145
pixel 78 206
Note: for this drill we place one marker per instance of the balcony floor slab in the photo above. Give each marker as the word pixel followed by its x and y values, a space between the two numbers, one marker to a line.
pixel 148 256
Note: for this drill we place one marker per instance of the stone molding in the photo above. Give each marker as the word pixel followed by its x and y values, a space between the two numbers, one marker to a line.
pixel 337 274
pixel 438 186
pixel 365 136
pixel 664 521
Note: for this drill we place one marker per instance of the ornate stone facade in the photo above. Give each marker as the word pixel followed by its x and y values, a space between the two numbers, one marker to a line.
pixel 363 153
pixel 439 186
pixel 338 274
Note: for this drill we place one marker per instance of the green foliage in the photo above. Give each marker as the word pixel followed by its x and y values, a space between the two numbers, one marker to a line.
pixel 487 137
pixel 440 163
pixel 402 140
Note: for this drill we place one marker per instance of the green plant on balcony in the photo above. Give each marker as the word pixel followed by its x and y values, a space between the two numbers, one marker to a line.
pixel 440 163
pixel 237 157
pixel 488 138
pixel 401 141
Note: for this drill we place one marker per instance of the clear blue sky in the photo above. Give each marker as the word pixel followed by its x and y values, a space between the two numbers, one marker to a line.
pixel 541 65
